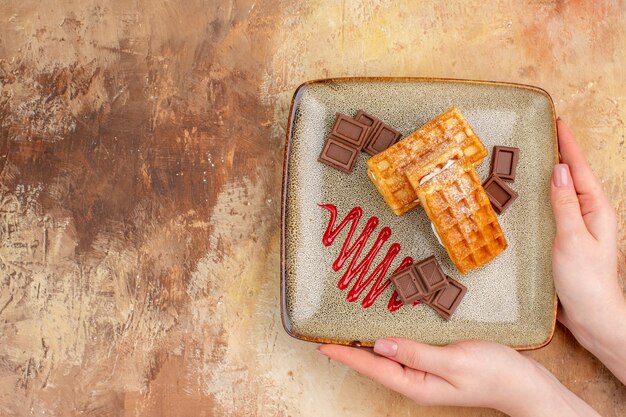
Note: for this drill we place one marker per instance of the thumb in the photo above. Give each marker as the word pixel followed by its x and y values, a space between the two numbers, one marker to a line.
pixel 565 205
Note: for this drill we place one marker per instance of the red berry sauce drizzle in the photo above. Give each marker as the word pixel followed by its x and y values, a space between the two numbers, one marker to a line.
pixel 359 269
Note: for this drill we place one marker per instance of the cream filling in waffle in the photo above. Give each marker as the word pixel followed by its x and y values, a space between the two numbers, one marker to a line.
pixel 437 171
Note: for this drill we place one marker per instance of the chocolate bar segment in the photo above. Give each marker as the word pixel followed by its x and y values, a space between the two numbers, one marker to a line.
pixel 408 285
pixel 420 281
pixel 367 119
pixel 428 299
pixel 504 162
pixel 338 154
pixel 448 299
pixel 352 132
pixel 431 274
pixel 499 193
pixel 381 139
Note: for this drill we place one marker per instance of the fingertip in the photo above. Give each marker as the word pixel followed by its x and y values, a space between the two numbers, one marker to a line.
pixel 565 203
pixel 422 356
pixel 561 176
pixel 562 128
pixel 569 150
pixel 566 139
pixel 334 351
pixel 386 347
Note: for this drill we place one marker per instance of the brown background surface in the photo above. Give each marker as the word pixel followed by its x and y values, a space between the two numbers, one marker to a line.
pixel 141 150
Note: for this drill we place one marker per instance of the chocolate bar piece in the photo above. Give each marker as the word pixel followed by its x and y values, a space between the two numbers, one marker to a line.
pixel 367 119
pixel 431 275
pixel 408 285
pixel 448 299
pixel 338 154
pixel 419 281
pixel 352 132
pixel 381 139
pixel 504 162
pixel 428 299
pixel 499 193
pixel 381 135
pixel 364 132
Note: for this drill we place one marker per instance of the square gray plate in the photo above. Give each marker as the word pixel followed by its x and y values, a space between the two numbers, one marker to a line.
pixel 511 300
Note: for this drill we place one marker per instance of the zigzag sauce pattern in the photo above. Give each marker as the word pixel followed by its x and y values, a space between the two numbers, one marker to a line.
pixel 359 269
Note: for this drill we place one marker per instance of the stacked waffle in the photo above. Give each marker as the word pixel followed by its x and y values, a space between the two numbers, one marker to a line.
pixel 434 167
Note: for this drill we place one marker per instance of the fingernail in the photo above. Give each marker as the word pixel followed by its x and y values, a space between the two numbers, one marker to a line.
pixel 561 175
pixel 386 347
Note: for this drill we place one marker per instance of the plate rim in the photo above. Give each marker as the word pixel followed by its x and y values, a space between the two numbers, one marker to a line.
pixel 285 178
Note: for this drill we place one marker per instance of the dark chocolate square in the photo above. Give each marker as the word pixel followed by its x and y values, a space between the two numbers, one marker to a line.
pixel 338 154
pixel 381 139
pixel 504 162
pixel 431 274
pixel 428 299
pixel 408 285
pixel 366 118
pixel 352 132
pixel 499 193
pixel 447 300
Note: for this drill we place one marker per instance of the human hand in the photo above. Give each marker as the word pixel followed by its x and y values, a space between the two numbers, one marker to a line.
pixel 584 257
pixel 468 373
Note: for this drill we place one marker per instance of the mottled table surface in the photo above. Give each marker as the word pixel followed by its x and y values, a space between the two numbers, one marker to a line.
pixel 141 149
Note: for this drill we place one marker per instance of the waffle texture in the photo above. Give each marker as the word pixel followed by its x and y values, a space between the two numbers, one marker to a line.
pixel 464 219
pixel 434 167
pixel 397 170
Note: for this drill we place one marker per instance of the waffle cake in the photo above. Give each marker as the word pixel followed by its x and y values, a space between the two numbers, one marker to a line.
pixel 447 136
pixel 462 215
